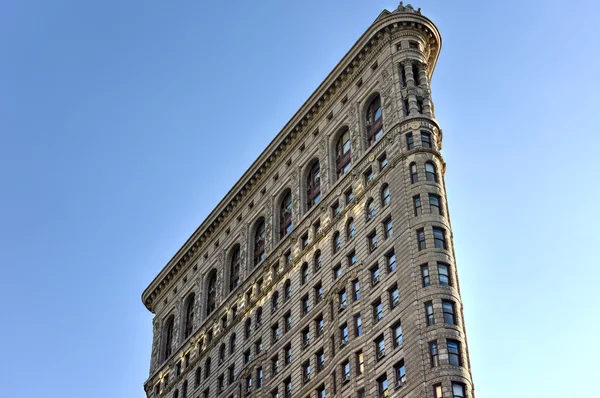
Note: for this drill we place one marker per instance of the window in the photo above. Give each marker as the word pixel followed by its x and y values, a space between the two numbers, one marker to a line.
pixel 205 393
pixel 430 174
pixel 439 238
pixel 415 73
pixel 343 153
pixel 304 273
pixel 288 258
pixel 410 143
pixel 234 269
pixel 258 347
pixel 184 390
pixel 259 242
pixel 222 350
pixel 207 367
pixel 437 391
pixel 275 301
pixel 458 390
pixel 383 162
pixel 413 45
pixel 337 242
pixel 346 371
pixel 400 371
pixel 220 384
pixel 382 387
pixel 313 185
pixel 176 394
pixel 430 320
pixel 275 333
pixel 259 315
pixel 305 337
pixel 305 305
pixel 371 208
pixel 388 228
pixel 394 296
pixel 231 377
pixel 285 214
pixel 369 176
pixel 275 394
pixel 287 318
pixel 448 311
pixel 444 274
pixel 351 258
pixel 320 360
pixel 349 196
pixel 304 241
pixel 374 121
pixel 306 372
pixel 342 299
pixel 247 328
pixel 434 204
pixel 336 208
pixel 358 325
pixel 380 347
pixel 318 292
pixel 356 289
pixel 414 177
pixel 425 275
pixel 361 393
pixel 390 259
pixel 198 376
pixel 248 385
pixel 211 296
pixel 317 227
pixel 385 195
pixel 350 229
pixel 397 334
pixel 421 239
pixel 337 271
pixel 434 355
pixel 189 316
pixel 321 391
pixel 417 204
pixel 425 139
pixel 454 353
pixel 318 261
pixel 344 334
pixel 406 107
pixel 259 377
pixel 360 362
pixel 377 310
pixel 319 325
pixel 375 275
pixel 288 354
pixel 275 365
pixel 372 241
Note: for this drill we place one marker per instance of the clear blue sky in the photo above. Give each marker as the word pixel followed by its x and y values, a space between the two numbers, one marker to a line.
pixel 123 123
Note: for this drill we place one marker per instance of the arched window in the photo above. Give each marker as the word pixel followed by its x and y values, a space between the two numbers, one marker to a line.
pixel 343 153
pixel 176 394
pixel 370 208
pixel 234 269
pixel 304 273
pixel 168 337
pixel 285 214
pixel 313 185
pixel 232 344
pixel 374 121
pixel 287 290
pixel 198 377
pixel 317 260
pixel 207 368
pixel 275 301
pixel 385 195
pixel 211 295
pixel 414 177
pixel 350 229
pixel 430 174
pixel 247 328
pixel 184 389
pixel 222 350
pixel 189 316
pixel 337 242
pixel 259 315
pixel 259 241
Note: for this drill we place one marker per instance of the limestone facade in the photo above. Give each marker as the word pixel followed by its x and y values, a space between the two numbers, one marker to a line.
pixel 329 267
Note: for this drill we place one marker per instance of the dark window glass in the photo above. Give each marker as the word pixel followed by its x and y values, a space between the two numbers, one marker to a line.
pixel 414 177
pixel 425 139
pixel 430 174
pixel 439 239
pixel 444 274
pixel 421 239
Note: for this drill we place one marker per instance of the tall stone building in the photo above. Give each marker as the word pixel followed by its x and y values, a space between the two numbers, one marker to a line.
pixel 328 269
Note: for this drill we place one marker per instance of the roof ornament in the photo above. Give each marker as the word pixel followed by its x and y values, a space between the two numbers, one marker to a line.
pixel 408 8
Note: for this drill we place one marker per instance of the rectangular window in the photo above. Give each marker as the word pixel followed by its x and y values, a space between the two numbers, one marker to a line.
pixel 394 295
pixel 360 362
pixel 391 261
pixel 421 239
pixel 304 274
pixel 248 385
pixel 275 365
pixel 439 238
pixel 380 347
pixel 382 387
pixel 352 258
pixel 247 356
pixel 349 196
pixel 425 275
pixel 342 299
pixel 288 354
pixel 320 360
pixel 258 346
pixel 346 372
pixel 413 45
pixel 397 334
pixel 305 337
pixel 274 333
pixel 429 313
pixel 444 274
pixel 406 107
pixel 344 334
pixel 377 311
pixel 356 289
pixel 435 204
pixel 458 390
pixel 337 271
pixel 375 275
pixel 288 387
pixel 335 208
pixel 400 371
pixel 417 204
pixel 317 227
pixel 361 393
pixel 434 355
pixel 318 292
pixel 448 311
pixel 425 139
pixel 306 372
pixel 319 326
pixel 454 353
pixel 388 228
pixel 372 241
pixel 287 321
pixel 358 325
pixel 259 377
pixel 369 175
pixel 304 241
pixel 383 162
pixel 410 143
pixel 437 391
pixel 305 305
pixel 321 391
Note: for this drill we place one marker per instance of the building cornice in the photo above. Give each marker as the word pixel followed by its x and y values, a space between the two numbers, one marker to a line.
pixel 311 112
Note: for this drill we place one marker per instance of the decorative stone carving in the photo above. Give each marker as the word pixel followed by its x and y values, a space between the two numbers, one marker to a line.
pixel 324 164
pixel 177 323
pixel 268 225
pixel 408 9
pixel 244 250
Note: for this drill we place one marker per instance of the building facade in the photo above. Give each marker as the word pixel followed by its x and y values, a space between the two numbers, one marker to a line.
pixel 328 269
